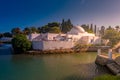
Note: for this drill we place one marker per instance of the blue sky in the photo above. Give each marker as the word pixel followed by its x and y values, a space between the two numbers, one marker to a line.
pixel 23 13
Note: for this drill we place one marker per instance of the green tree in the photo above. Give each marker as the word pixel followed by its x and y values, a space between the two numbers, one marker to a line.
pixel 53 27
pixel 54 30
pixel 112 35
pixel 86 28
pixel 117 28
pixel 15 31
pixel 109 28
pixel 53 24
pixel 91 27
pixel 43 29
pixel 95 29
pixel 1 35
pixel 7 34
pixel 20 43
pixel 27 31
pixel 34 29
pixel 102 31
pixel 66 26
pixel 69 24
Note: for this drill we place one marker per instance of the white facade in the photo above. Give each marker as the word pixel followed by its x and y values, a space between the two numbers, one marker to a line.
pixel 32 36
pixel 51 45
pixel 50 41
pixel 78 34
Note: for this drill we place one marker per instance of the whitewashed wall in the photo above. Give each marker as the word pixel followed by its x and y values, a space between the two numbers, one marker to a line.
pixel 97 40
pixel 32 36
pixel 37 45
pixel 51 45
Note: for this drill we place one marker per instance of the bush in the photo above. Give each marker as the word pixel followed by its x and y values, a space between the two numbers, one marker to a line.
pixel 113 36
pixel 20 43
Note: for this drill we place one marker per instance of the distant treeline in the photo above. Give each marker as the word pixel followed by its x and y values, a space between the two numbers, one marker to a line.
pixel 55 27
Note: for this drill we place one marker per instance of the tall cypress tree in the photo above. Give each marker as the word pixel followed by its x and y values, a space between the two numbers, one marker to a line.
pixel 102 31
pixel 91 27
pixel 66 26
pixel 62 25
pixel 95 29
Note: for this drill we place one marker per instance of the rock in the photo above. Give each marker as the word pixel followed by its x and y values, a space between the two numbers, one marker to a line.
pixel 117 60
pixel 102 60
pixel 114 68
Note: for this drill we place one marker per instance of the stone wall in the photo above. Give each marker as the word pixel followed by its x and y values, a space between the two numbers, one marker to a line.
pixel 52 45
pixel 117 60
pixel 37 45
pixel 101 60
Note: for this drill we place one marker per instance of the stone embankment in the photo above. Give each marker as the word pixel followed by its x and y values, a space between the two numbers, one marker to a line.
pixel 110 61
pixel 37 52
pixel 60 51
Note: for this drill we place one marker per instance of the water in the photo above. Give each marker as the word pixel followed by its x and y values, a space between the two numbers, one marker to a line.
pixel 5 49
pixel 50 67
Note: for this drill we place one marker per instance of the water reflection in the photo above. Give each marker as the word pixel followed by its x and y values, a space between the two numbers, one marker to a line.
pixel 50 67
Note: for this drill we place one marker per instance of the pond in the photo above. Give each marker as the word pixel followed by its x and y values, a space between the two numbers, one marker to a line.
pixel 78 66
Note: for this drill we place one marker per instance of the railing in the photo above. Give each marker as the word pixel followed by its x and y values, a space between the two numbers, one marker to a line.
pixel 109 53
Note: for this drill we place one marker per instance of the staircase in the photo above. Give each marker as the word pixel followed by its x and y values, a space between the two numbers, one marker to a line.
pixel 114 68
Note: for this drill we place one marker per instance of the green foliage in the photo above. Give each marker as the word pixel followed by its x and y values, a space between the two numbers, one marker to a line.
pixel 29 30
pixel 15 31
pixel 53 24
pixel 109 28
pixel 20 43
pixel 26 31
pixel 86 28
pixel 102 31
pixel 66 26
pixel 1 35
pixel 33 29
pixel 112 35
pixel 91 27
pixel 95 29
pixel 117 28
pixel 54 30
pixel 53 27
pixel 107 77
pixel 7 34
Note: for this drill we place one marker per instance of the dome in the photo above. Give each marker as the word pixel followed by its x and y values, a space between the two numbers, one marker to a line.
pixel 80 29
pixel 76 30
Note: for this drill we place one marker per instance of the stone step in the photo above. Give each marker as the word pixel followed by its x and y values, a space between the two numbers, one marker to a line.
pixel 114 68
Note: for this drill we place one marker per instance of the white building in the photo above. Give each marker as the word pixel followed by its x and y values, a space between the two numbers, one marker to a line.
pixel 78 34
pixel 5 39
pixel 51 41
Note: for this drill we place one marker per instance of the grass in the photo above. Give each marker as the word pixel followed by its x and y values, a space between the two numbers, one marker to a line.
pixel 107 77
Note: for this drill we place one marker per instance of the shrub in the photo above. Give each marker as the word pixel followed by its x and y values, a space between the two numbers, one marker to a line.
pixel 20 43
